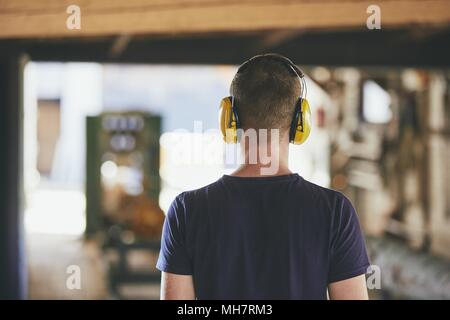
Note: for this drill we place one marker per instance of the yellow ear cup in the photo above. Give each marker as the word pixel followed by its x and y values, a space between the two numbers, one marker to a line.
pixel 302 133
pixel 227 125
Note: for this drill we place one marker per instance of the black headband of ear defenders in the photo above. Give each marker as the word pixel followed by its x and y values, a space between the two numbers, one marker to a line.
pixel 278 57
pixel 296 70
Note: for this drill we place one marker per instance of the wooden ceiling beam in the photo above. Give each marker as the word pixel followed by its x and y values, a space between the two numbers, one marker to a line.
pixel 350 48
pixel 47 18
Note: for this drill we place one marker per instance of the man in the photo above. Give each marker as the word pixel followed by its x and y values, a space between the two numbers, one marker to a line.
pixel 251 235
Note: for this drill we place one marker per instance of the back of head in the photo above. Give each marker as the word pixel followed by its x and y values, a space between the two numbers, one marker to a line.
pixel 265 92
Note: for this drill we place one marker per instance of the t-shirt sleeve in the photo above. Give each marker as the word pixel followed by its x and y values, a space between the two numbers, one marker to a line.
pixel 348 251
pixel 173 256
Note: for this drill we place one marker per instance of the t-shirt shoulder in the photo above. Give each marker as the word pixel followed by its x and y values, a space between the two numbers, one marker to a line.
pixel 326 195
pixel 189 199
pixel 187 195
pixel 202 190
pixel 326 191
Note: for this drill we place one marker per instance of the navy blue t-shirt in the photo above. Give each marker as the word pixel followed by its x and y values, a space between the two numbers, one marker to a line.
pixel 276 237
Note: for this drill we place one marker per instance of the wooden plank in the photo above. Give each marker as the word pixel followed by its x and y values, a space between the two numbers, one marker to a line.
pixel 396 47
pixel 33 5
pixel 47 18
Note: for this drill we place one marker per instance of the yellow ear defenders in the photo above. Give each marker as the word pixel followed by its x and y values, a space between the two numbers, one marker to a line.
pixel 228 120
pixel 301 121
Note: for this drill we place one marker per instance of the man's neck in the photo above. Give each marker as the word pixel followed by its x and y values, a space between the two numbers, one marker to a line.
pixel 254 170
pixel 270 160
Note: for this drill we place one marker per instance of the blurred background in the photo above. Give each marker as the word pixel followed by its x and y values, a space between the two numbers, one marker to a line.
pixel 102 126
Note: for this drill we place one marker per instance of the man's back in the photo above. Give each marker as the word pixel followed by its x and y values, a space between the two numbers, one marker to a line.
pixel 278 237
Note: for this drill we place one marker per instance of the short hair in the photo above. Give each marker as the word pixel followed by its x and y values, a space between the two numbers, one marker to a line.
pixel 265 93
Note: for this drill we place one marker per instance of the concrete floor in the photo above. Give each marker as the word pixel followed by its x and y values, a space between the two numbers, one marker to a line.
pixel 48 258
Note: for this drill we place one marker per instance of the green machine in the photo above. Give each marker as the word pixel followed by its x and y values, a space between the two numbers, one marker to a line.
pixel 122 190
pixel 122 172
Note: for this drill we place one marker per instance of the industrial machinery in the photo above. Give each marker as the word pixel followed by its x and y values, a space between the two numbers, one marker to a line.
pixel 390 138
pixel 122 190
